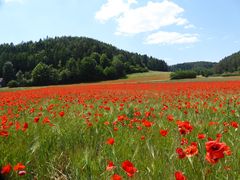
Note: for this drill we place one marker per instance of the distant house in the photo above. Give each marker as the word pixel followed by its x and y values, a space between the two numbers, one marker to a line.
pixel 1 82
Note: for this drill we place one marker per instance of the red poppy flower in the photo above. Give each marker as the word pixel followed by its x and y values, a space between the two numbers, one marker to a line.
pixel 191 150
pixel 106 123
pixel 25 126
pixel 234 124
pixel 165 107
pixel 6 169
pixel 170 117
pixel 61 113
pixel 19 167
pixel 110 166
pixel 147 123
pixel 110 141
pixel 216 150
pixel 179 176
pixel 201 136
pixel 46 120
pixel 147 114
pixel 184 127
pixel 4 133
pixel 184 141
pixel 163 132
pixel 121 117
pixel 36 119
pixel 17 125
pixel 129 168
pixel 181 153
pixel 116 177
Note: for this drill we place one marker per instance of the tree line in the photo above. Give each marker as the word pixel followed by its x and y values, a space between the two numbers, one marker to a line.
pixel 229 64
pixel 64 60
pixel 200 68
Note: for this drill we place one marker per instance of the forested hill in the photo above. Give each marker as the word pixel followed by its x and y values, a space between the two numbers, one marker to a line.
pixel 201 67
pixel 229 64
pixel 63 60
pixel 193 66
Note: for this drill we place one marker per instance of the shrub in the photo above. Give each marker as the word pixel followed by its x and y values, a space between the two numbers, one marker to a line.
pixel 207 72
pixel 230 74
pixel 12 84
pixel 25 83
pixel 183 75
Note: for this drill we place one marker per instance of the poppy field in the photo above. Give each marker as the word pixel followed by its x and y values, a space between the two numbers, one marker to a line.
pixel 180 130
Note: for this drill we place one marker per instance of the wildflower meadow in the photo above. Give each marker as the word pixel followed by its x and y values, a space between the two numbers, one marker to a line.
pixel 171 130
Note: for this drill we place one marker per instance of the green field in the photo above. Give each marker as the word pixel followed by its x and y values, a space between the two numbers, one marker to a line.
pixel 147 77
pixel 90 131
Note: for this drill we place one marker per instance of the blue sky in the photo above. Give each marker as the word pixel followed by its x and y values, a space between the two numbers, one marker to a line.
pixel 174 30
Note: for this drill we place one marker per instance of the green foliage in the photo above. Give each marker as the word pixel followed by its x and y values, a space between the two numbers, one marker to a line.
pixel 119 66
pixel 12 84
pixel 65 76
pixel 87 69
pixel 104 61
pixel 230 74
pixel 96 57
pixel 19 76
pixel 228 64
pixel 25 83
pixel 73 70
pixel 156 65
pixel 136 69
pixel 207 72
pixel 8 72
pixel 201 67
pixel 22 80
pixel 99 72
pixel 110 72
pixel 43 74
pixel 183 75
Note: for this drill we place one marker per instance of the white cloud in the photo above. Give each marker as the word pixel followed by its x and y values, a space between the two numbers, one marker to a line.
pixel 113 8
pixel 162 37
pixel 150 17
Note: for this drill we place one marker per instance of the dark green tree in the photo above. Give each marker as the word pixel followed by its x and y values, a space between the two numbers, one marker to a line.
pixel 87 69
pixel 110 72
pixel 99 72
pixel 8 72
pixel 72 67
pixel 104 61
pixel 43 74
pixel 96 56
pixel 65 76
pixel 119 66
pixel 19 76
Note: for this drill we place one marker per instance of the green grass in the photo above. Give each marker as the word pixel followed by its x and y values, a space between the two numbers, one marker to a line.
pixel 146 77
pixel 146 74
